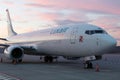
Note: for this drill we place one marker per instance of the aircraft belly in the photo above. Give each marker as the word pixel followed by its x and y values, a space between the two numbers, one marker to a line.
pixel 62 49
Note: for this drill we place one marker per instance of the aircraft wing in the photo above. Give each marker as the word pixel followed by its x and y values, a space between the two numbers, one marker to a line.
pixel 2 43
pixel 27 49
pixel 3 39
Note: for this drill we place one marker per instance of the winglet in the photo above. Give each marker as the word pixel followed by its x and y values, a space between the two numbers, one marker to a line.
pixel 11 32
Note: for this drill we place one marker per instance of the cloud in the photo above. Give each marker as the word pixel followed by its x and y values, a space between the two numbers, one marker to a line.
pixel 63 22
pixel 54 16
pixel 103 6
pixel 74 18
pixel 38 5
pixel 79 8
pixel 49 16
pixel 108 22
pixel 10 3
pixel 118 39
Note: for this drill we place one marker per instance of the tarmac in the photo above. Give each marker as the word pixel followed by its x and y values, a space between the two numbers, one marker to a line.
pixel 33 68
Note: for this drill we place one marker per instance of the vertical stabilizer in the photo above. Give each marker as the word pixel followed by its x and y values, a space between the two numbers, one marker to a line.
pixel 11 32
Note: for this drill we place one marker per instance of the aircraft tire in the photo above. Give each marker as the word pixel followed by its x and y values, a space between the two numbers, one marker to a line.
pixel 20 60
pixel 50 59
pixel 46 59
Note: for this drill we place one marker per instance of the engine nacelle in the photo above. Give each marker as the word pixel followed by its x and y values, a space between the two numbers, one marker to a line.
pixel 14 52
pixel 71 58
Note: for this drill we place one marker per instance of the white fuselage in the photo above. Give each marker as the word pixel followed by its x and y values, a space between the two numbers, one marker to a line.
pixel 69 40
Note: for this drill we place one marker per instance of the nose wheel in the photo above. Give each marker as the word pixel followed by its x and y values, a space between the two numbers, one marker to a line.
pixel 88 65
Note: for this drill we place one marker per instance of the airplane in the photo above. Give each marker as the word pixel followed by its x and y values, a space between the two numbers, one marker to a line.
pixel 71 41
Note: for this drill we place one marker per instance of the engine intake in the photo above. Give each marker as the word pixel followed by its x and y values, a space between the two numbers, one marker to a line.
pixel 14 52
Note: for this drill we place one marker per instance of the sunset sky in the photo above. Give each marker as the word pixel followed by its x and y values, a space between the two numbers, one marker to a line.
pixel 29 15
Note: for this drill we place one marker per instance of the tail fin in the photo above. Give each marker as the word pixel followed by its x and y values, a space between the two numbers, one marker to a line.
pixel 11 32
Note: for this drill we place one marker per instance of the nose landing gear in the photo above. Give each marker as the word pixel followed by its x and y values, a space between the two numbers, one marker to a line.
pixel 88 65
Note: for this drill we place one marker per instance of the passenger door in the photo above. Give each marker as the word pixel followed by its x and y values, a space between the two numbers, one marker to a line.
pixel 73 35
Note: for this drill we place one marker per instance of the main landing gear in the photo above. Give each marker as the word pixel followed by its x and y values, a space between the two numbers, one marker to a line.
pixel 48 59
pixel 88 65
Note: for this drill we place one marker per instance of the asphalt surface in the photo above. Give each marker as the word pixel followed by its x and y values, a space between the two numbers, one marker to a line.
pixel 33 68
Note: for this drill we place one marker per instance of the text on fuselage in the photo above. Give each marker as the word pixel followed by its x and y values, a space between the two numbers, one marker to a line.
pixel 60 30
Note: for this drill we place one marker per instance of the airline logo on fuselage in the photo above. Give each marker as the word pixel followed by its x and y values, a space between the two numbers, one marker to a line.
pixel 60 30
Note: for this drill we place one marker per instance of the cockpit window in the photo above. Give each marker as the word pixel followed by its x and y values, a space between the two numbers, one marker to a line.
pixel 99 31
pixel 90 32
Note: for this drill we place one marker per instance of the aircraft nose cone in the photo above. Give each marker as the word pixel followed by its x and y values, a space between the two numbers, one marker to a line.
pixel 110 43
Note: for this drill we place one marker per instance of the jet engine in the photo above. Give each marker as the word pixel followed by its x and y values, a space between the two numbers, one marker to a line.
pixel 14 52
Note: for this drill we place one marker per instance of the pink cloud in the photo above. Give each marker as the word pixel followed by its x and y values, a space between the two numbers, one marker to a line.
pixel 49 16
pixel 104 6
pixel 77 16
pixel 107 21
pixel 8 3
pixel 57 16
